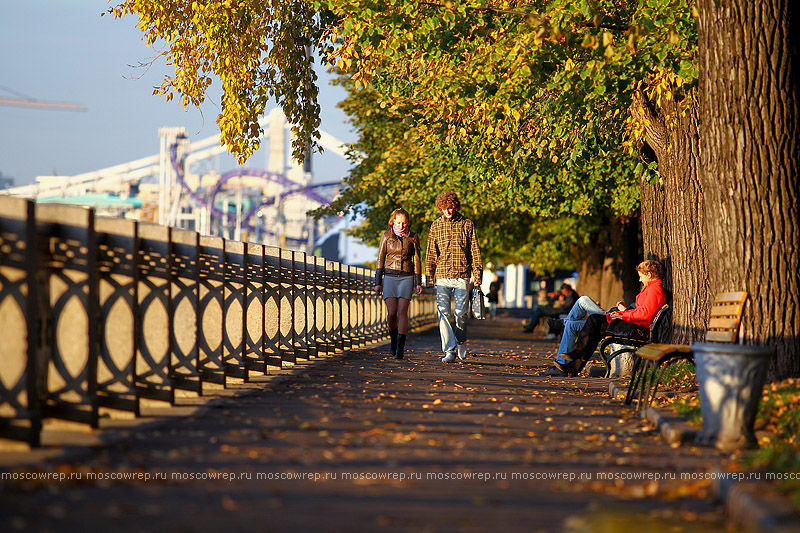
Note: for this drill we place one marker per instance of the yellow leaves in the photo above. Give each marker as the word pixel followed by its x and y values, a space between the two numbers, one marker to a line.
pixel 569 64
pixel 608 38
pixel 401 438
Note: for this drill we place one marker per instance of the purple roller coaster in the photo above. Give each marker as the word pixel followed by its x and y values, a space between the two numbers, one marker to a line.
pixel 208 201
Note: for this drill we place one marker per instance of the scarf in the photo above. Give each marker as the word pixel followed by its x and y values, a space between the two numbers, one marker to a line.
pixel 402 234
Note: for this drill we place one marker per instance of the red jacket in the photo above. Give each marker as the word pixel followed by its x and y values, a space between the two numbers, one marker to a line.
pixel 648 303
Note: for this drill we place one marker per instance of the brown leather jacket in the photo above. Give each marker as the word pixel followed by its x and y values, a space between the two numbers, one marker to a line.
pixel 396 255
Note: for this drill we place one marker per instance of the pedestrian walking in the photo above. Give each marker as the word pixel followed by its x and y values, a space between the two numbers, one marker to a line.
pixel 493 296
pixel 452 260
pixel 398 275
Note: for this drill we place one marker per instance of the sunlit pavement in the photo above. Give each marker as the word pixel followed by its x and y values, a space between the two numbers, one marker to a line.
pixel 365 442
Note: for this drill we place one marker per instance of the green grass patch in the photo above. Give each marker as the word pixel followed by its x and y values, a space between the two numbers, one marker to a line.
pixel 779 414
pixel 679 377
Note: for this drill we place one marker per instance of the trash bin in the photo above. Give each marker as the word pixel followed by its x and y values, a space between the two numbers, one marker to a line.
pixel 730 378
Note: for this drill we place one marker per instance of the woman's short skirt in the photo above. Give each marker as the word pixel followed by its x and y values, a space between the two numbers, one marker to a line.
pixel 398 286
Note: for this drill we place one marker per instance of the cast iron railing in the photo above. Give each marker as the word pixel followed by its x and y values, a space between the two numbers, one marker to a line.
pixel 103 312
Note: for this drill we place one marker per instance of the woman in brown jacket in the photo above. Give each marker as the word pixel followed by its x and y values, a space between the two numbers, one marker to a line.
pixel 398 274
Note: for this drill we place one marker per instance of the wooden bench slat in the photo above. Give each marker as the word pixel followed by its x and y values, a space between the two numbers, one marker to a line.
pixel 727 310
pixel 721 336
pixel 656 352
pixel 738 297
pixel 723 323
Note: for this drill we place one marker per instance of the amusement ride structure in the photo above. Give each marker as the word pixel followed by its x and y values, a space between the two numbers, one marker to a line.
pixel 178 188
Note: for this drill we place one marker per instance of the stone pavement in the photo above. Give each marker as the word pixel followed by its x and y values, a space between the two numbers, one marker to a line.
pixel 361 442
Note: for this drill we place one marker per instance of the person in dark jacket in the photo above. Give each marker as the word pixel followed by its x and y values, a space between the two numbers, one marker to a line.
pixel 493 296
pixel 566 295
pixel 398 275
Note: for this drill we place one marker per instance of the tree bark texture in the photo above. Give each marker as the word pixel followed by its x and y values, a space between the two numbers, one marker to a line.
pixel 673 225
pixel 750 136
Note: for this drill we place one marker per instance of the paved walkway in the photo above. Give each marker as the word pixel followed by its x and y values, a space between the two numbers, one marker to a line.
pixel 363 442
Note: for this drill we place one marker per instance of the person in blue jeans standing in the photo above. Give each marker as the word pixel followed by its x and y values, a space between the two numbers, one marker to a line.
pixel 452 259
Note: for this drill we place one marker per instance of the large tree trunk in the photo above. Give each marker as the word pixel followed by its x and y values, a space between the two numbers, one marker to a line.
pixel 607 272
pixel 750 164
pixel 673 226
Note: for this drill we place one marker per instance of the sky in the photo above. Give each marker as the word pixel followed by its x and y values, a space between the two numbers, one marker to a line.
pixel 64 50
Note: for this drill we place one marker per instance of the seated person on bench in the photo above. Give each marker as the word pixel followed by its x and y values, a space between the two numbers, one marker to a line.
pixel 587 322
pixel 566 297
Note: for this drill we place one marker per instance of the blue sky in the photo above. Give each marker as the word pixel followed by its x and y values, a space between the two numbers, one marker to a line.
pixel 63 50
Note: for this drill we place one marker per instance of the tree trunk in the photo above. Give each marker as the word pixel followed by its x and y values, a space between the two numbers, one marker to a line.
pixel 673 226
pixel 607 270
pixel 749 67
pixel 590 270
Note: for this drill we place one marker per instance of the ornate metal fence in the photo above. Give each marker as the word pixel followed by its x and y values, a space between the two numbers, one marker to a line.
pixel 100 312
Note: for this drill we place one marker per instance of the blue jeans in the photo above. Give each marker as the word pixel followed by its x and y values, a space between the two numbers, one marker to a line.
pixel 574 322
pixel 452 334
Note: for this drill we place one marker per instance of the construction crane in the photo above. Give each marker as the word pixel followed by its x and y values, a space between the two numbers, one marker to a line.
pixel 42 104
pixel 24 101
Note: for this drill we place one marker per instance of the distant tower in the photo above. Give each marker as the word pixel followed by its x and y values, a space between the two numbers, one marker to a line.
pixel 169 190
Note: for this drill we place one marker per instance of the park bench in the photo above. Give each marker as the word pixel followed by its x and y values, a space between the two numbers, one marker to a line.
pixel 651 359
pixel 615 345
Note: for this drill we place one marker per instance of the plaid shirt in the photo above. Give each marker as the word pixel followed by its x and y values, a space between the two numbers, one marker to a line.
pixel 453 250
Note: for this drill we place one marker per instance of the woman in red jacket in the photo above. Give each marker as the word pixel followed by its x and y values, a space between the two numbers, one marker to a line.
pixel 648 302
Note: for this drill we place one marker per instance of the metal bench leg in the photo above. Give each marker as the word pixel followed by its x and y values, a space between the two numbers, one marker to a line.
pixel 635 377
pixel 647 373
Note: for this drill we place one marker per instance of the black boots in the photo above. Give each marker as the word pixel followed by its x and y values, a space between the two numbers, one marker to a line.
pixel 398 343
pixel 401 346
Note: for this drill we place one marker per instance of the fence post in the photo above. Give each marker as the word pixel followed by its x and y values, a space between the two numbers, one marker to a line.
pixel 70 277
pixel 117 301
pixel 368 334
pixel 211 262
pixel 338 313
pixel 184 351
pixel 320 313
pixel 272 307
pixel 287 311
pixel 348 340
pixel 233 332
pixel 255 331
pixel 152 354
pixel 299 323
pixel 311 307
pixel 23 364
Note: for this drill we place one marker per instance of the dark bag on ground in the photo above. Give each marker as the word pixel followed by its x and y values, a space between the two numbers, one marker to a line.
pixel 478 304
pixel 627 330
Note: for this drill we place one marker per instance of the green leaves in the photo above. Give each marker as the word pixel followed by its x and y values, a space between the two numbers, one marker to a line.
pixel 522 107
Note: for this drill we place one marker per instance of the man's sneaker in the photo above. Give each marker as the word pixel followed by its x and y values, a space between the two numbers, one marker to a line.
pixel 550 337
pixel 449 358
pixel 554 371
pixel 567 368
pixel 462 352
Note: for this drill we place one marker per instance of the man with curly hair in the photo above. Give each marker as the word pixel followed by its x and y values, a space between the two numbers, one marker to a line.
pixel 452 260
